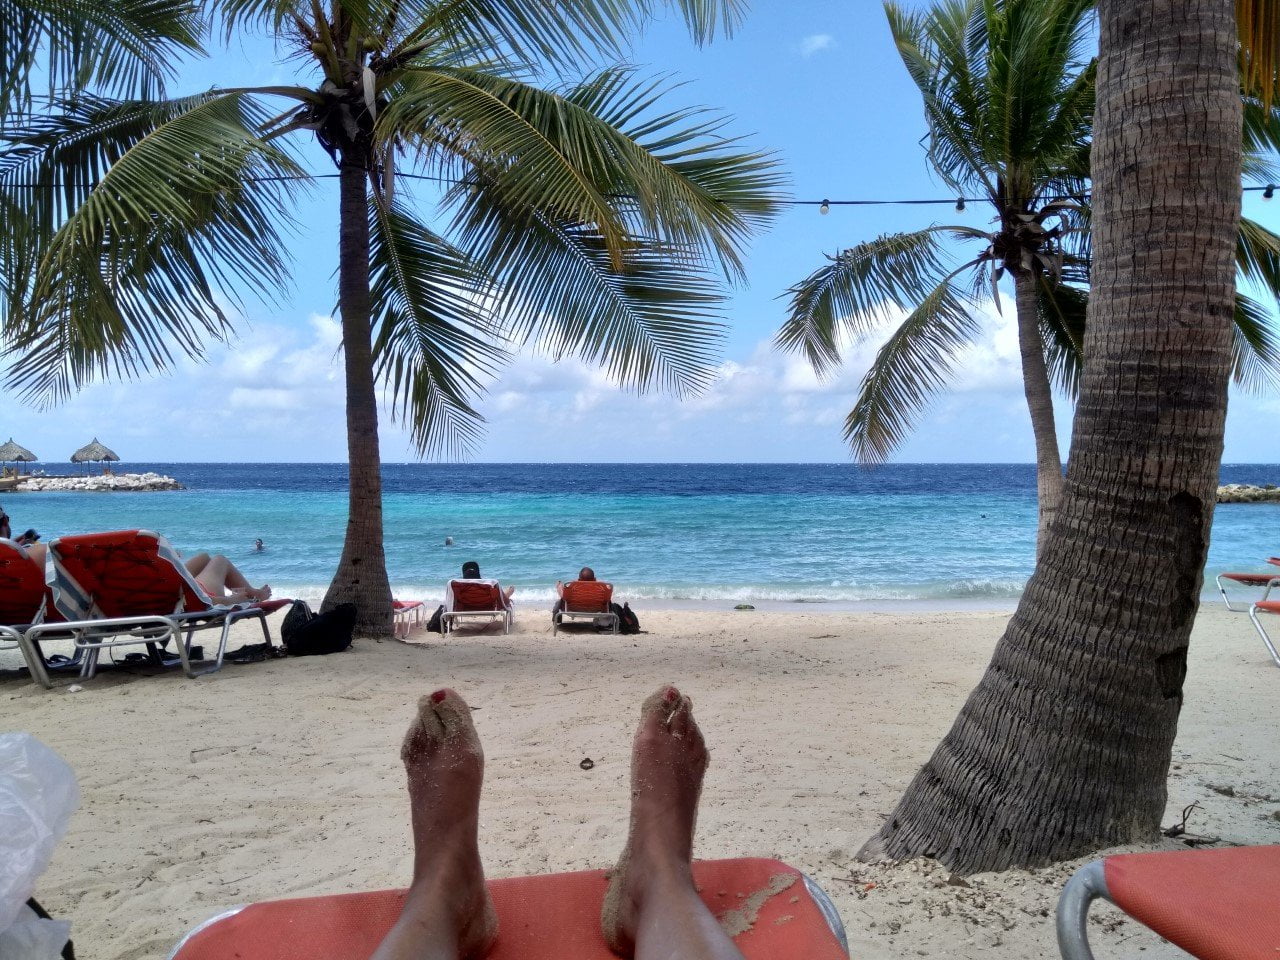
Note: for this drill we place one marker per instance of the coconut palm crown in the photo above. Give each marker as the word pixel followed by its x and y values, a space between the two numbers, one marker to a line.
pixel 1008 91
pixel 586 218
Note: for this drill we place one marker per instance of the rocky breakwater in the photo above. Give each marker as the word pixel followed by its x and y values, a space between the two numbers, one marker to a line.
pixel 1248 493
pixel 106 483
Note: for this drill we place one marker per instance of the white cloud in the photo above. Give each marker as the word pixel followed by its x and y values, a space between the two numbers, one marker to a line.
pixel 278 394
pixel 816 43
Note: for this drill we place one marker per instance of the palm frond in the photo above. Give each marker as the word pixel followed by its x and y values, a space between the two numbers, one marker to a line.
pixel 600 154
pixel 434 340
pixel 556 33
pixel 122 48
pixel 1258 256
pixel 1259 27
pixel 650 319
pixel 131 278
pixel 1007 90
pixel 1062 309
pixel 913 365
pixel 1255 348
pixel 849 295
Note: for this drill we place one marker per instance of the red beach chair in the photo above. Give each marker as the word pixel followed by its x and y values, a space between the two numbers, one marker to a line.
pixel 24 600
pixel 405 616
pixel 129 587
pixel 469 599
pixel 1215 904
pixel 1266 606
pixel 585 599
pixel 780 913
pixel 1265 580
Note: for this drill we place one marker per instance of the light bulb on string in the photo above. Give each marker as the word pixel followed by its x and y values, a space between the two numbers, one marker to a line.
pixel 1270 192
pixel 959 204
pixel 825 207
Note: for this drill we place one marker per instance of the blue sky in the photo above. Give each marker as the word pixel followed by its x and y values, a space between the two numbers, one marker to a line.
pixel 817 81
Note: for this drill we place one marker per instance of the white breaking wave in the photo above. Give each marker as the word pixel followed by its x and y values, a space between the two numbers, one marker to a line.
pixel 971 589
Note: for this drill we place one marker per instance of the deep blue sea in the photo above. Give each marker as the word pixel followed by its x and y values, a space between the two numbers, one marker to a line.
pixel 955 534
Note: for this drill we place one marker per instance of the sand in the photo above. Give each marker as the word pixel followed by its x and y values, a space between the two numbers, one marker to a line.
pixel 283 778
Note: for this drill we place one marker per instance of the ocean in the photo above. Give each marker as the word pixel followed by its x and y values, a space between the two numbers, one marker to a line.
pixel 902 535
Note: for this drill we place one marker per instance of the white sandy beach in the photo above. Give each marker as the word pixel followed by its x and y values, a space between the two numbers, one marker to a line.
pixel 282 778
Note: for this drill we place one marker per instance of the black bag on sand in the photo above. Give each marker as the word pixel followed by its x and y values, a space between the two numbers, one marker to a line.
pixel 436 623
pixel 306 634
pixel 628 622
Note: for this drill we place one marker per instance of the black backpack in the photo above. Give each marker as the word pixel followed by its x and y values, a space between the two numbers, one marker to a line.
pixel 628 622
pixel 436 623
pixel 307 634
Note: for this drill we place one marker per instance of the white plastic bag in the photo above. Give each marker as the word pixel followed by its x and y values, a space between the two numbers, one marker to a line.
pixel 38 795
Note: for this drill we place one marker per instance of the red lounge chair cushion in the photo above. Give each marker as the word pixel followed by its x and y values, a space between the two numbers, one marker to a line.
pixel 1252 579
pixel 479 597
pixel 588 596
pixel 125 574
pixel 540 918
pixel 22 587
pixel 399 605
pixel 1215 904
pixel 1268 606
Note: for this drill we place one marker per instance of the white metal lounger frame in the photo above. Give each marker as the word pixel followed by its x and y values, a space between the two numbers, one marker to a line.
pixel 559 615
pixel 449 619
pixel 11 637
pixel 404 620
pixel 1222 589
pixel 1086 885
pixel 1271 647
pixel 89 637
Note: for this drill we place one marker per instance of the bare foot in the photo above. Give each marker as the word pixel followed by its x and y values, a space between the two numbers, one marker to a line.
pixel 262 593
pixel 448 911
pixel 668 761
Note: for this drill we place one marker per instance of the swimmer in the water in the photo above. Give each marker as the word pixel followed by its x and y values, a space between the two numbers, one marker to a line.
pixel 259 546
pixel 448 541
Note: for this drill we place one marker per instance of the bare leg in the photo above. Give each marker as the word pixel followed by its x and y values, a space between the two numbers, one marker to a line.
pixel 447 914
pixel 224 582
pixel 506 595
pixel 197 563
pixel 652 911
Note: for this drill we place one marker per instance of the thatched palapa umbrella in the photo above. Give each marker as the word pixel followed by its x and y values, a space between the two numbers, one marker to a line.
pixel 94 453
pixel 16 453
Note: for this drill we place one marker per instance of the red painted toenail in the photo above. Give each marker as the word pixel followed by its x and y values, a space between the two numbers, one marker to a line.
pixel 438 696
pixel 672 695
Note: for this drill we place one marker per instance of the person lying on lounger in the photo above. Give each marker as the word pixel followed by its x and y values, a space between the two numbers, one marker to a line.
pixel 222 581
pixel 652 910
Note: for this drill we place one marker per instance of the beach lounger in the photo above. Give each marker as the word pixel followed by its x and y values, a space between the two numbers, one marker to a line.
pixel 406 615
pixel 585 600
pixel 473 599
pixel 1214 904
pixel 1268 581
pixel 1266 606
pixel 130 588
pixel 24 600
pixel 780 915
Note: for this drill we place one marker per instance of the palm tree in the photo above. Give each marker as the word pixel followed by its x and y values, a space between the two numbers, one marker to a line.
pixel 1064 746
pixel 1009 96
pixel 587 218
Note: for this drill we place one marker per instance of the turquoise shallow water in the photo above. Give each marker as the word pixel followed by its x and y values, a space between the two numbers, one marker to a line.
pixel 951 534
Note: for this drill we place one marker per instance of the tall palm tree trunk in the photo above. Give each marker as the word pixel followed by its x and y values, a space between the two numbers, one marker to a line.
pixel 361 577
pixel 1039 392
pixel 1064 746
